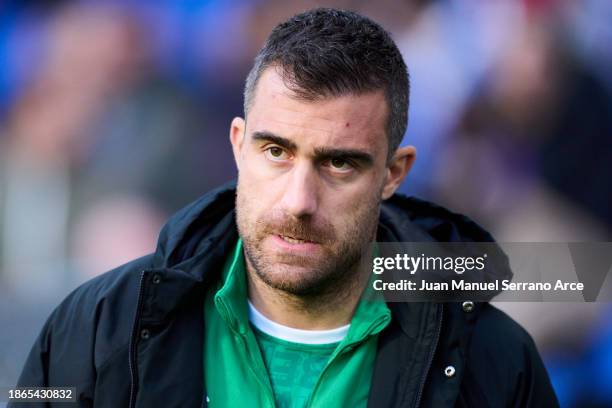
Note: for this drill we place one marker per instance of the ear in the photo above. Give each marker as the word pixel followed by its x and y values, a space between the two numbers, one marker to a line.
pixel 237 129
pixel 397 169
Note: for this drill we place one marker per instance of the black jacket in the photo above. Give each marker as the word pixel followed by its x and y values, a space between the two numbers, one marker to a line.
pixel 134 336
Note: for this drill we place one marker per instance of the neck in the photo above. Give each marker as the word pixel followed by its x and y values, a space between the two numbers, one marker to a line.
pixel 331 309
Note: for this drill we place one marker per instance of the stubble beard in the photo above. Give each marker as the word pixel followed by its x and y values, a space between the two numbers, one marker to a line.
pixel 335 273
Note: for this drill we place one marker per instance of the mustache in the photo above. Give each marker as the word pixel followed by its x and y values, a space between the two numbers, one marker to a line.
pixel 319 232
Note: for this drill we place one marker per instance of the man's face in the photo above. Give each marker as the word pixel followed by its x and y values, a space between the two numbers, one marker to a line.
pixel 311 178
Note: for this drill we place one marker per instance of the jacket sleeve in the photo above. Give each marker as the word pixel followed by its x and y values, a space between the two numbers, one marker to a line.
pixel 504 368
pixel 533 386
pixel 36 369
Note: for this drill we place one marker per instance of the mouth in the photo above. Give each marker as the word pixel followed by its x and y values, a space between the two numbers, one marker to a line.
pixel 295 245
pixel 294 240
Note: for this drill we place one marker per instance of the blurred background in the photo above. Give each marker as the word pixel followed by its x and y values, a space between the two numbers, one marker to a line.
pixel 115 114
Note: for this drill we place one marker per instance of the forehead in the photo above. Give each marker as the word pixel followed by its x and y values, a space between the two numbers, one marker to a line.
pixel 349 121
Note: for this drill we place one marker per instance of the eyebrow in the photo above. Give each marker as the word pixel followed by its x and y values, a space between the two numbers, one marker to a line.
pixel 265 136
pixel 320 153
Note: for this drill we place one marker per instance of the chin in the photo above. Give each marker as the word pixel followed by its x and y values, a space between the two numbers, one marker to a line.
pixel 294 279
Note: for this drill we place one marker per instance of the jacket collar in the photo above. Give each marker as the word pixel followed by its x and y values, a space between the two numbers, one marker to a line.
pixel 195 241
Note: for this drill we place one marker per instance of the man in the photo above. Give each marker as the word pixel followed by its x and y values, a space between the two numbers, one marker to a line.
pixel 255 297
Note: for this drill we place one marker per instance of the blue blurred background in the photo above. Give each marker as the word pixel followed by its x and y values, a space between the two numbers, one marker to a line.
pixel 114 114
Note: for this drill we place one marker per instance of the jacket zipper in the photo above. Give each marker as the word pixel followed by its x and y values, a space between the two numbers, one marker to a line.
pixel 430 359
pixel 133 340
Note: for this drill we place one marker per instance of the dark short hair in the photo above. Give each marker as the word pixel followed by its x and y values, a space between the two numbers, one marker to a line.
pixel 326 52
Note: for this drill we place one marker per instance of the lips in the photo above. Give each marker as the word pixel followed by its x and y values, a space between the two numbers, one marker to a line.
pixel 294 240
pixel 294 244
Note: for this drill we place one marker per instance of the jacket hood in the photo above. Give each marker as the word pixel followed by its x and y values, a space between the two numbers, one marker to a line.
pixel 209 221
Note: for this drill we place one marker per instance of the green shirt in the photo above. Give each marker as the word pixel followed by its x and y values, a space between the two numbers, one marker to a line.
pixel 293 368
pixel 236 373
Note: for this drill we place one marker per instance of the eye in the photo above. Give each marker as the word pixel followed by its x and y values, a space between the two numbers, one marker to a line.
pixel 276 153
pixel 340 165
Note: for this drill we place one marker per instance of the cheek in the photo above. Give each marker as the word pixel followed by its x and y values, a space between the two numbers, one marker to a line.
pixel 353 206
pixel 247 209
pixel 260 181
pixel 254 194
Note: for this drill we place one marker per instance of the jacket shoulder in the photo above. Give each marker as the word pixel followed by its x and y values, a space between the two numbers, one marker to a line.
pixel 494 324
pixel 109 284
pixel 439 223
pixel 100 301
pixel 104 304
pixel 89 329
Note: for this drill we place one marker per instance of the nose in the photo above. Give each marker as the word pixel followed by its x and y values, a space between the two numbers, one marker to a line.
pixel 300 198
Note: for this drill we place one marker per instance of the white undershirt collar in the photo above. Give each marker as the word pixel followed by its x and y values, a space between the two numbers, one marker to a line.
pixel 290 334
